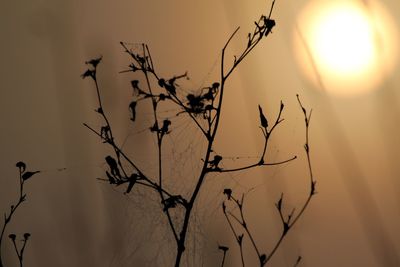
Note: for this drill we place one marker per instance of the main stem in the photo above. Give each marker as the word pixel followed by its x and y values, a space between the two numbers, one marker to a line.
pixel 182 236
pixel 213 131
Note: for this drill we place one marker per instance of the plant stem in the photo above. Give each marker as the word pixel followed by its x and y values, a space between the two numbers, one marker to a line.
pixel 7 219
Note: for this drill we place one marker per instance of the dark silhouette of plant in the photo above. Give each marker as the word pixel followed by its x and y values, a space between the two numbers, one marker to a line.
pixel 287 221
pixel 224 250
pixel 204 110
pixel 23 177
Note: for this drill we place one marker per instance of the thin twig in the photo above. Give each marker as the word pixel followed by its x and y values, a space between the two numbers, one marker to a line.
pixel 23 176
pixel 288 224
pixel 253 165
pixel 299 258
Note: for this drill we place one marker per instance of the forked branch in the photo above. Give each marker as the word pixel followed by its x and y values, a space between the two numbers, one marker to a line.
pixel 288 221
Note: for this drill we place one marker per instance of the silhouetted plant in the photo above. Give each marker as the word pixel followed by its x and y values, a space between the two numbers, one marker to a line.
pixel 23 177
pixel 287 221
pixel 204 110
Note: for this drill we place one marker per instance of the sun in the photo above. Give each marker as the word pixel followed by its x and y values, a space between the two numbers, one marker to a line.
pixel 348 47
pixel 343 40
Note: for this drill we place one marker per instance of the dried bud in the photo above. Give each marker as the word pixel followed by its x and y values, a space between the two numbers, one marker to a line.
pixel 26 236
pixel 94 62
pixel 263 259
pixel 88 73
pixel 132 107
pixel 263 120
pixel 215 85
pixel 135 83
pixel 223 248
pixel 228 193
pixel 161 82
pixel 165 127
pixel 21 165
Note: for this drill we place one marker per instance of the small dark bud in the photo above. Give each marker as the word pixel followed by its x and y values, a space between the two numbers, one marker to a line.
pixel 223 248
pixel 215 85
pixel 269 24
pixel 263 259
pixel 132 181
pixel 209 107
pixel 217 158
pixel 26 236
pixel 215 162
pixel 190 97
pixel 21 165
pixel 279 204
pixel 165 127
pixel 161 82
pixel 132 107
pixel 12 237
pixel 94 62
pixel 263 119
pixel 88 73
pixel 228 193
pixel 135 84
pixel 112 163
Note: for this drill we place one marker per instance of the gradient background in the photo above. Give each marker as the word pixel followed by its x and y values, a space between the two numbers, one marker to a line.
pixel 76 220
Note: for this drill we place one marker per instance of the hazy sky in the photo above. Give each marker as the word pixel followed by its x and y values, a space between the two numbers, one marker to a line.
pixel 76 220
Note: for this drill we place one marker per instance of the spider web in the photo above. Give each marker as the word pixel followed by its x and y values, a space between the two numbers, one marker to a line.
pixel 150 241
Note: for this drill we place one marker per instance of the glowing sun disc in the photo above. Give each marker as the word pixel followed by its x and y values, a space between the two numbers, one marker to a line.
pixel 350 46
